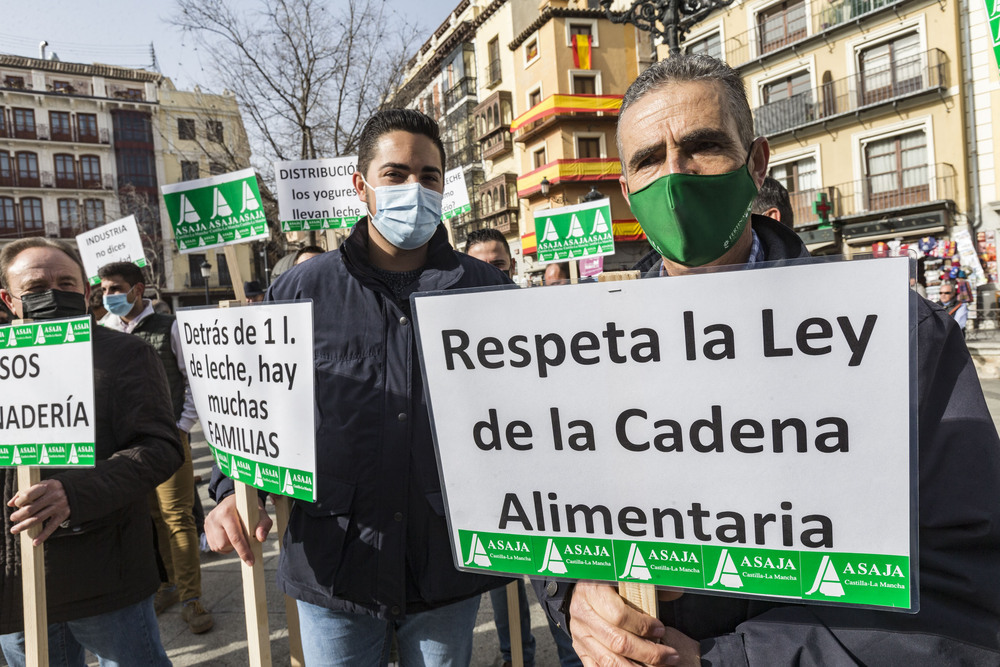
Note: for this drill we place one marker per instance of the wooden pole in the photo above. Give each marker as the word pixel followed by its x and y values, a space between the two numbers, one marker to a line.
pixel 642 596
pixel 36 625
pixel 514 624
pixel 234 273
pixel 574 272
pixel 282 508
pixel 254 591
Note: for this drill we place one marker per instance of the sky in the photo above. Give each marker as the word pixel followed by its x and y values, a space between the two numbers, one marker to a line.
pixel 119 32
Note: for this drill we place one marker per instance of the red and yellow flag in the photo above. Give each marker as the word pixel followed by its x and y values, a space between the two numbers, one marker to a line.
pixel 582 51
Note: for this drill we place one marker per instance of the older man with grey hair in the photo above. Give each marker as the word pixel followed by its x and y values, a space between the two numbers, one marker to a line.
pixel 691 168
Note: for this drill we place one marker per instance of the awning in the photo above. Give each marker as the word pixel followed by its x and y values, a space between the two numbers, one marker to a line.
pixel 555 104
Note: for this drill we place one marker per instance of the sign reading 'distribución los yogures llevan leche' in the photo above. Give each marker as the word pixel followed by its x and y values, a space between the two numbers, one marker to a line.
pixel 215 211
pixel 317 194
pixel 744 432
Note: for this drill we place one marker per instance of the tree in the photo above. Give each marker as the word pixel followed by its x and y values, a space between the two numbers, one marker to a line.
pixel 132 201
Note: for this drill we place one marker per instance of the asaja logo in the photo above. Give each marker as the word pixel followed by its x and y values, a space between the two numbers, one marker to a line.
pixel 550 233
pixel 767 563
pixel 726 573
pixel 288 488
pixel 552 561
pixel 635 566
pixel 672 555
pixel 508 545
pixel 575 228
pixel 874 569
pixel 827 581
pixel 477 554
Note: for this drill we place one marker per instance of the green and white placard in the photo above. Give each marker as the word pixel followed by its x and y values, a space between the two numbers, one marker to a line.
pixel 251 374
pixel 743 432
pixel 47 397
pixel 456 195
pixel 117 241
pixel 993 16
pixel 215 211
pixel 574 232
pixel 317 194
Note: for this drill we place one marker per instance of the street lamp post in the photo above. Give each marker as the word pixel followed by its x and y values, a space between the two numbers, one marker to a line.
pixel 675 16
pixel 206 273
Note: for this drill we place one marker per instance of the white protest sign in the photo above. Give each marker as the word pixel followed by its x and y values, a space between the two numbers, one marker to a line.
pixel 456 195
pixel 750 433
pixel 251 374
pixel 116 241
pixel 317 194
pixel 47 402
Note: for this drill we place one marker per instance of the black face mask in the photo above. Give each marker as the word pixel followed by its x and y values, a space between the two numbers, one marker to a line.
pixel 53 304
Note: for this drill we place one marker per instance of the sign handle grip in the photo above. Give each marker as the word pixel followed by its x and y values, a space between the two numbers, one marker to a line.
pixel 254 593
pixel 36 625
pixel 234 273
pixel 282 508
pixel 642 596
pixel 514 624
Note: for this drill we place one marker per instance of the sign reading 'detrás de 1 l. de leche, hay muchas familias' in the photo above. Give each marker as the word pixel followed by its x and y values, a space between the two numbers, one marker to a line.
pixel 746 432
pixel 574 232
pixel 117 241
pixel 215 211
pixel 47 401
pixel 251 374
pixel 317 194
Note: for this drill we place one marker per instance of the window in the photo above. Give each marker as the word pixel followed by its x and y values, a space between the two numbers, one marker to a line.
pixel 214 131
pixel 69 213
pixel 136 167
pixel 194 270
pixel 587 147
pixel 90 171
pixel 8 219
pixel 24 123
pixel 27 169
pixel 132 126
pixel 584 84
pixel 783 89
pixel 534 98
pixel 781 24
pixel 6 173
pixel 65 171
pixel 189 170
pixel 223 266
pixel 186 128
pixel 63 87
pixel 3 122
pixel 531 50
pixel 10 81
pixel 93 213
pixel 216 168
pixel 801 179
pixel 86 127
pixel 891 69
pixel 710 46
pixel 134 94
pixel 493 51
pixel 897 171
pixel 538 158
pixel 60 126
pixel 31 214
pixel 581 27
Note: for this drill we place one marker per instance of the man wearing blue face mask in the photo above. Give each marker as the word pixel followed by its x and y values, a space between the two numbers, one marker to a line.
pixel 371 557
pixel 173 513
pixel 691 167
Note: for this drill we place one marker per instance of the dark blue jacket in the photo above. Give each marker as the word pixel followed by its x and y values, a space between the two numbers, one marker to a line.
pixel 375 540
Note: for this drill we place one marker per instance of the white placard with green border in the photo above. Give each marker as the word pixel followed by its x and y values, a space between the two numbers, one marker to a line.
pixel 117 241
pixel 456 194
pixel 317 194
pixel 251 374
pixel 993 16
pixel 741 432
pixel 47 397
pixel 574 232
pixel 215 211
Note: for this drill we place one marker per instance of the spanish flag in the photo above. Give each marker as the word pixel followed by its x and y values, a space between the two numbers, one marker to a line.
pixel 582 51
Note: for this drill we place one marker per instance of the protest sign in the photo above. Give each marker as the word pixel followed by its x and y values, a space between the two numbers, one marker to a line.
pixel 574 232
pixel 702 432
pixel 251 374
pixel 993 15
pixel 215 211
pixel 47 406
pixel 116 241
pixel 317 194
pixel 456 195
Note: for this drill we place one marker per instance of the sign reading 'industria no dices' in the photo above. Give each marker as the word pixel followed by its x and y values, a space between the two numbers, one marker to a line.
pixel 251 375
pixel 693 417
pixel 215 211
pixel 574 232
pixel 47 397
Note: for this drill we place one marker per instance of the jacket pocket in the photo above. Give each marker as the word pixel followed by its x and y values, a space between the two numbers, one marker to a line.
pixel 333 496
pixel 317 535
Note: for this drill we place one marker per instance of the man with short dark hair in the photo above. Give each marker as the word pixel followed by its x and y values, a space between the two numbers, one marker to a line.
pixel 489 245
pixel 772 200
pixel 253 291
pixel 306 253
pixel 556 273
pixel 685 133
pixel 100 568
pixel 371 558
pixel 173 512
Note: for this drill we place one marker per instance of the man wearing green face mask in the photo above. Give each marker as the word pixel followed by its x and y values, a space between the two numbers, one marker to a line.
pixel 691 167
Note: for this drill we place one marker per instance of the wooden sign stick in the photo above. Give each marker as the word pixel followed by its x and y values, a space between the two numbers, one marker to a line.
pixel 282 508
pixel 36 625
pixel 514 624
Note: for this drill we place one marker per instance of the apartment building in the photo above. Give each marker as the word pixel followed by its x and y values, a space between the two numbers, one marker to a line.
pixel 85 144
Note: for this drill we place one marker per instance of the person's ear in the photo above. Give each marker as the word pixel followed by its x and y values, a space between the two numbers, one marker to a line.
pixel 760 157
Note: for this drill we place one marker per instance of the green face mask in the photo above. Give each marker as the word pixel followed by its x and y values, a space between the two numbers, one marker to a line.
pixel 693 220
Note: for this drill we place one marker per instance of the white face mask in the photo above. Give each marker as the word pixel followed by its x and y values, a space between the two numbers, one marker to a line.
pixel 406 215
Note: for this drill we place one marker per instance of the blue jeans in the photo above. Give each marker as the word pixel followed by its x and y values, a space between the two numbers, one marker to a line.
pixel 498 596
pixel 127 636
pixel 564 647
pixel 439 637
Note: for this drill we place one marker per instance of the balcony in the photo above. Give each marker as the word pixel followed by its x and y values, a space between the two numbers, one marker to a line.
pixel 498 204
pixel 922 73
pixel 465 87
pixel 17 229
pixel 554 108
pixel 496 145
pixel 569 171
pixel 491 73
pixel 823 16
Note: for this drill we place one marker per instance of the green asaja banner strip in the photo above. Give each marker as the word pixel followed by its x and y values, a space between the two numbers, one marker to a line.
pixel 319 224
pixel 993 14
pixel 849 578
pixel 455 212
pixel 60 455
pixel 37 335
pixel 271 478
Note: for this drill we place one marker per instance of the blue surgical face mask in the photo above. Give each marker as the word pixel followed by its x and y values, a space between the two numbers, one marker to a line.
pixel 406 215
pixel 118 304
